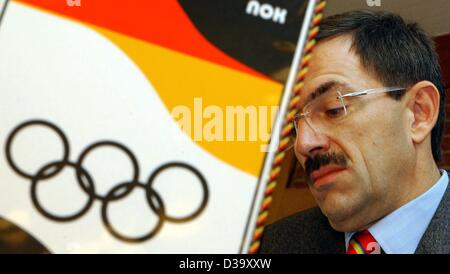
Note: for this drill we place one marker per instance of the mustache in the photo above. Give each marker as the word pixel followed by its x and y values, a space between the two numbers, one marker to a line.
pixel 320 160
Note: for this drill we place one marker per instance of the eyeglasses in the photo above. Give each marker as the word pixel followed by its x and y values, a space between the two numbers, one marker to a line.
pixel 333 108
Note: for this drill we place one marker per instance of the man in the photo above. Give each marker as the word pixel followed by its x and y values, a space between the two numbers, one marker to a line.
pixel 368 136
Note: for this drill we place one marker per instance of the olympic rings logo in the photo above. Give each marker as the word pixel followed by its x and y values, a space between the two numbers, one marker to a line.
pixel 87 184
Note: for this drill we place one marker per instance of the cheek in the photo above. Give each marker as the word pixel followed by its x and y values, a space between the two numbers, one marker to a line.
pixel 352 142
pixel 383 144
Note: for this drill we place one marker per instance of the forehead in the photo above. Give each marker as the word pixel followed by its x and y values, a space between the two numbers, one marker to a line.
pixel 333 60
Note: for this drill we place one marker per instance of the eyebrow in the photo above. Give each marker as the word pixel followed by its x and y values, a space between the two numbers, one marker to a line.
pixel 324 88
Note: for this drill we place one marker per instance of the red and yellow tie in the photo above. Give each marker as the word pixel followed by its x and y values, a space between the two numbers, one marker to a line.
pixel 363 243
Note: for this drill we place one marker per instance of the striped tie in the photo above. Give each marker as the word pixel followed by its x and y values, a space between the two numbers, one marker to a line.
pixel 363 243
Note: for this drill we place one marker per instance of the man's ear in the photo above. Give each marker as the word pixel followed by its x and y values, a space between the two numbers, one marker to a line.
pixel 423 102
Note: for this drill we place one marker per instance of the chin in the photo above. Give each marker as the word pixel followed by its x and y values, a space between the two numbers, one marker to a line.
pixel 344 226
pixel 337 219
pixel 340 213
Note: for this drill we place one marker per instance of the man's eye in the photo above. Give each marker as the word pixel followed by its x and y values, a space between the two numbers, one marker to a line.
pixel 335 112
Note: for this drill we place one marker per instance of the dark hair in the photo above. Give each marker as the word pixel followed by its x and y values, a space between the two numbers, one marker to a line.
pixel 399 54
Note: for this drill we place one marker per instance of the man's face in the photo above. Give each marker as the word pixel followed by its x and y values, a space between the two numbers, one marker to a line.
pixel 358 168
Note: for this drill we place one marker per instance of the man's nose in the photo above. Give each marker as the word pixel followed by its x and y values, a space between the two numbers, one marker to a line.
pixel 310 141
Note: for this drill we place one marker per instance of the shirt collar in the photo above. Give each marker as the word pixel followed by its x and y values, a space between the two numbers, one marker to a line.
pixel 400 231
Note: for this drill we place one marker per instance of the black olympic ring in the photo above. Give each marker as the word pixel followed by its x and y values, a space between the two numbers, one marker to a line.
pixel 202 181
pixel 87 184
pixel 149 193
pixel 120 147
pixel 32 123
pixel 60 165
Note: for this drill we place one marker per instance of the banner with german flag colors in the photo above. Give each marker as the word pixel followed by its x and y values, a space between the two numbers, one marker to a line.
pixel 141 126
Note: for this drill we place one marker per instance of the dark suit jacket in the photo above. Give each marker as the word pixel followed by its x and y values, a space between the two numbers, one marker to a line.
pixel 309 232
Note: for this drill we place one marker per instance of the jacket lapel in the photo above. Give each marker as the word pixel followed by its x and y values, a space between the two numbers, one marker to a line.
pixel 436 239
